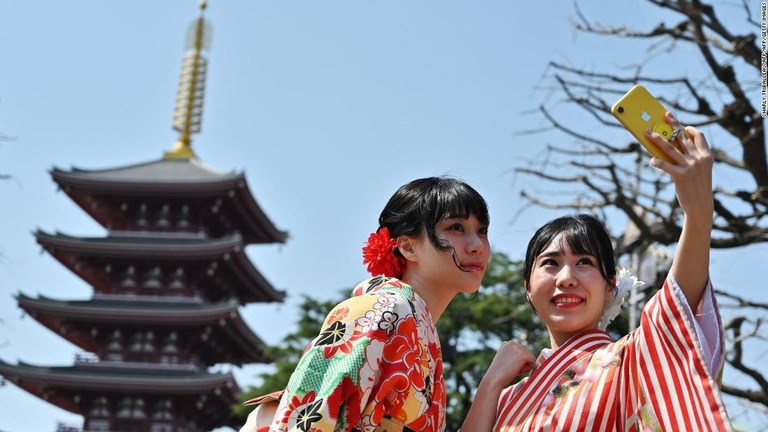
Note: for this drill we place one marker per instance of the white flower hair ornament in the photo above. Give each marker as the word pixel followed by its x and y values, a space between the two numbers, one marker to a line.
pixel 625 282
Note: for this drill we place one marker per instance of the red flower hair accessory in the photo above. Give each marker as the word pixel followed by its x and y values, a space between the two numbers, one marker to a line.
pixel 379 255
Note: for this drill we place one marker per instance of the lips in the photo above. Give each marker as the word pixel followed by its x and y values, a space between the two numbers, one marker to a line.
pixel 472 267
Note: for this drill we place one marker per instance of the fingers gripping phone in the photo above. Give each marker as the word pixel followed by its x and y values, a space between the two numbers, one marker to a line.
pixel 639 111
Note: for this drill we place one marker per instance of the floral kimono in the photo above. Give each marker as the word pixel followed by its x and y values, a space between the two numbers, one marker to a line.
pixel 657 378
pixel 376 366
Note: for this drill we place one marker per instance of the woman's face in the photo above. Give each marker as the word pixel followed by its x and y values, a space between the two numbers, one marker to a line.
pixel 469 238
pixel 567 290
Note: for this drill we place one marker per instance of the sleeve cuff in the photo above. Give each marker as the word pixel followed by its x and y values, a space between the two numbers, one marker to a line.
pixel 706 323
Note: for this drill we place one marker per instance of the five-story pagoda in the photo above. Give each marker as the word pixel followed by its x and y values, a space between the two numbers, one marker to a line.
pixel 168 280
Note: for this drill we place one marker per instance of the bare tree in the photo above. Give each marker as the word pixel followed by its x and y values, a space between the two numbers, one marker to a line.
pixel 592 174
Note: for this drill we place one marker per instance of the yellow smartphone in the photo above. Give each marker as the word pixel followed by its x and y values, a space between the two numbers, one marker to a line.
pixel 639 111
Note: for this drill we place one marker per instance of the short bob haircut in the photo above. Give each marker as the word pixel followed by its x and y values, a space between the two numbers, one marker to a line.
pixel 584 234
pixel 422 203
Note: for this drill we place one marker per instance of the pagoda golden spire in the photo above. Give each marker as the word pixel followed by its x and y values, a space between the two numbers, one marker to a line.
pixel 188 113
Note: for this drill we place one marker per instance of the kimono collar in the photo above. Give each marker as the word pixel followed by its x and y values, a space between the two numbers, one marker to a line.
pixel 574 341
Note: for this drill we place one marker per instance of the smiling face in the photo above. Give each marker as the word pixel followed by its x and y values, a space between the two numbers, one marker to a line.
pixel 567 290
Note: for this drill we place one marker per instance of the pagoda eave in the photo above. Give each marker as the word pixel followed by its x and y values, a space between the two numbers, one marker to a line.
pixel 116 380
pixel 74 251
pixel 149 247
pixel 78 318
pixel 152 180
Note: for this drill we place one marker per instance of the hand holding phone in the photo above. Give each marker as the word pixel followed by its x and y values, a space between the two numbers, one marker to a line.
pixel 639 111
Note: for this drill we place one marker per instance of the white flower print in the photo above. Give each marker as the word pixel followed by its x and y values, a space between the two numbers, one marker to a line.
pixel 385 303
pixel 369 321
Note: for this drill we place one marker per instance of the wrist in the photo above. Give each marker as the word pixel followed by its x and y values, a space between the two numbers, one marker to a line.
pixel 492 384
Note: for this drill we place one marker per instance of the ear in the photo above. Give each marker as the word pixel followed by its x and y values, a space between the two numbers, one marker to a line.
pixel 407 247
pixel 612 285
pixel 527 288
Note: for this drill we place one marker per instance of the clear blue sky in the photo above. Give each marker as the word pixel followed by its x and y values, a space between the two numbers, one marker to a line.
pixel 326 106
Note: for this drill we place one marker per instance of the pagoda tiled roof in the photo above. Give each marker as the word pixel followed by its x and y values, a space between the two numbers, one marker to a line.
pixel 173 178
pixel 155 246
pixel 145 312
pixel 224 317
pixel 118 378
pixel 165 174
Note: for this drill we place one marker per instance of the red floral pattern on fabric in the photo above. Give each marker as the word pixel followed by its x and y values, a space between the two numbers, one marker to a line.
pixel 404 352
pixel 338 314
pixel 346 391
pixel 391 395
pixel 372 367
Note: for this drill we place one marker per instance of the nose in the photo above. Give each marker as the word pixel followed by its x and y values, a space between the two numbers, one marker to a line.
pixel 565 277
pixel 476 245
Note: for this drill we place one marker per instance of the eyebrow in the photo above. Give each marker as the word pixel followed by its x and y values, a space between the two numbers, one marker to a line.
pixel 456 216
pixel 551 254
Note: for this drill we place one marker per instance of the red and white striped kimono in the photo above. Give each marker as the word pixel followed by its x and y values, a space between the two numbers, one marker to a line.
pixel 657 378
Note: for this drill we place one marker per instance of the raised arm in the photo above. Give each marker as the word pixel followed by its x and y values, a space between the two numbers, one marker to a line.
pixel 692 175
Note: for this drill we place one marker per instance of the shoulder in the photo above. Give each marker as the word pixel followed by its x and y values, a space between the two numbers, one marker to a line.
pixel 384 294
pixel 376 303
pixel 384 284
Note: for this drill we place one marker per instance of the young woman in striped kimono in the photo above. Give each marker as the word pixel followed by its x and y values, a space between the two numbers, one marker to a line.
pixel 661 376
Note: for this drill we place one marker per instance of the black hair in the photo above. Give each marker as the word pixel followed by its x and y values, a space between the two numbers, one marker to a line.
pixel 422 203
pixel 584 234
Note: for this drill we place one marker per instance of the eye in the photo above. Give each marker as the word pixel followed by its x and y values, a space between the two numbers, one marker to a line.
pixel 484 231
pixel 587 261
pixel 545 262
pixel 456 227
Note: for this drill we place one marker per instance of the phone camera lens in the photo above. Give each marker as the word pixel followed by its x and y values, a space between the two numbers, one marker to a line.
pixel 621 110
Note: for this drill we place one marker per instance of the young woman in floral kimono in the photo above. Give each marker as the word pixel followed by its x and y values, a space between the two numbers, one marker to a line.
pixel 376 365
pixel 660 377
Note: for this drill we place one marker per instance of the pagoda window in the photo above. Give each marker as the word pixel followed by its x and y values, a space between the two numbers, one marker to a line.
pixel 183 218
pixel 177 278
pixel 162 410
pixel 170 349
pixel 212 268
pixel 99 407
pixel 163 219
pixel 114 346
pixel 216 206
pixel 130 408
pixel 152 278
pixel 136 342
pixel 149 342
pixel 124 408
pixel 138 411
pixel 142 220
pixel 129 277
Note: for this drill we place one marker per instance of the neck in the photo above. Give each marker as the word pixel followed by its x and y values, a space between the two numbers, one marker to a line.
pixel 436 300
pixel 557 339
